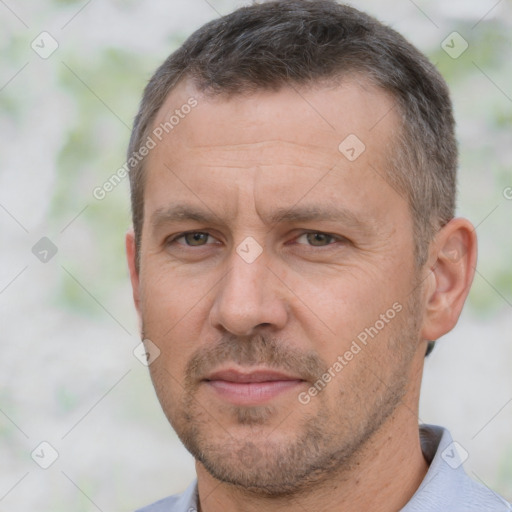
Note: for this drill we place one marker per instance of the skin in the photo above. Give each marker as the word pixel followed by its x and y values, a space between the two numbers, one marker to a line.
pixel 299 305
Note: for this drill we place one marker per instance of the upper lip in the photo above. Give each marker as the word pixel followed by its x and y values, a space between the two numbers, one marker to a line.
pixel 262 375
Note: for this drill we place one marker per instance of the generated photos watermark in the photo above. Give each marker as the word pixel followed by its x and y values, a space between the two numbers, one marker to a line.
pixel 150 143
pixel 360 342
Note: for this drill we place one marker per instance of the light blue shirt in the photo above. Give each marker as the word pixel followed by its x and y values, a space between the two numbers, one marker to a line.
pixel 445 488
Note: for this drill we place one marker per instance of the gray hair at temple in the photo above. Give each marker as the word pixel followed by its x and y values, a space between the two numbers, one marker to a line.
pixel 302 43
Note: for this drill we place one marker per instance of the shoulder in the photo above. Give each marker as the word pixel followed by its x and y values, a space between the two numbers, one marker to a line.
pixel 446 485
pixel 184 502
pixel 168 504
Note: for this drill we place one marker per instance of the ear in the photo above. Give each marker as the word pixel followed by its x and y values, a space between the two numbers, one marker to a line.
pixel 452 264
pixel 132 266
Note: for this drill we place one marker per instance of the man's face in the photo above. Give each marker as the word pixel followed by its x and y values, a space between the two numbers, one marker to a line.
pixel 267 257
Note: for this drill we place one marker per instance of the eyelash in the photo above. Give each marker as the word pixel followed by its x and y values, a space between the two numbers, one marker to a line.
pixel 333 237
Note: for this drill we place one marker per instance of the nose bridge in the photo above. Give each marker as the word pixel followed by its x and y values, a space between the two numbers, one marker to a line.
pixel 247 296
pixel 245 281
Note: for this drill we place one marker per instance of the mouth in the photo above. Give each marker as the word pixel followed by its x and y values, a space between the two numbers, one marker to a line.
pixel 251 387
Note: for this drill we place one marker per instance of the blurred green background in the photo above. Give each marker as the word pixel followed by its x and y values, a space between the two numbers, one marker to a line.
pixel 68 375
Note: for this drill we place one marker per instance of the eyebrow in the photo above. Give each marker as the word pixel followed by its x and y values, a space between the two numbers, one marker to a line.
pixel 179 212
pixel 294 214
pixel 311 213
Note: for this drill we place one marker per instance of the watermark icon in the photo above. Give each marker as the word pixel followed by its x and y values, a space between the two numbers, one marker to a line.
pixel 44 250
pixel 146 352
pixel 507 193
pixel 44 455
pixel 44 45
pixel 357 345
pixel 150 143
pixel 454 45
pixel 351 147
pixel 454 455
pixel 249 249
pixel 454 251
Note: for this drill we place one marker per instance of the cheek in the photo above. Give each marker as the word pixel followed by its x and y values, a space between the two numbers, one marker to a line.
pixel 167 298
pixel 352 323
pixel 172 316
pixel 341 306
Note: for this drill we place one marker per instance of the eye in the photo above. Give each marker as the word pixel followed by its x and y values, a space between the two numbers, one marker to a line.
pixel 317 239
pixel 193 238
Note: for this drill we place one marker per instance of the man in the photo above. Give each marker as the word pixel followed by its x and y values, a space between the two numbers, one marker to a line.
pixel 294 254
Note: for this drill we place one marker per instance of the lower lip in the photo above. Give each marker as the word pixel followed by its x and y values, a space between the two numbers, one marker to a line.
pixel 252 393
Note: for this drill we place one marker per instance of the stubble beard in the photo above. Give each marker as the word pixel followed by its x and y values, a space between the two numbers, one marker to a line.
pixel 327 441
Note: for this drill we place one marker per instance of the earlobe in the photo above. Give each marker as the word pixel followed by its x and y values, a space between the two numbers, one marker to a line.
pixel 453 262
pixel 131 255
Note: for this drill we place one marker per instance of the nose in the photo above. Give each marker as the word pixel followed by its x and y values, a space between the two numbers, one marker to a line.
pixel 248 297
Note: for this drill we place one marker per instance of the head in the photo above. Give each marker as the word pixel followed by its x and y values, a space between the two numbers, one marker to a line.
pixel 295 225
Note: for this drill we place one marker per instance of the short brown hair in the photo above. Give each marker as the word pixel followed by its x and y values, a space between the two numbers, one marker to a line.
pixel 301 42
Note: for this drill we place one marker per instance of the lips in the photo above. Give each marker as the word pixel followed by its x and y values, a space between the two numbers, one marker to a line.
pixel 250 387
pixel 232 375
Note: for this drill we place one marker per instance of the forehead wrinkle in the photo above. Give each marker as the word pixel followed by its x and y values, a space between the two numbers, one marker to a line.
pixel 293 153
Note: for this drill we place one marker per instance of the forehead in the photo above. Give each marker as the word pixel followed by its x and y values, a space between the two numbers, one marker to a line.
pixel 313 119
pixel 323 142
